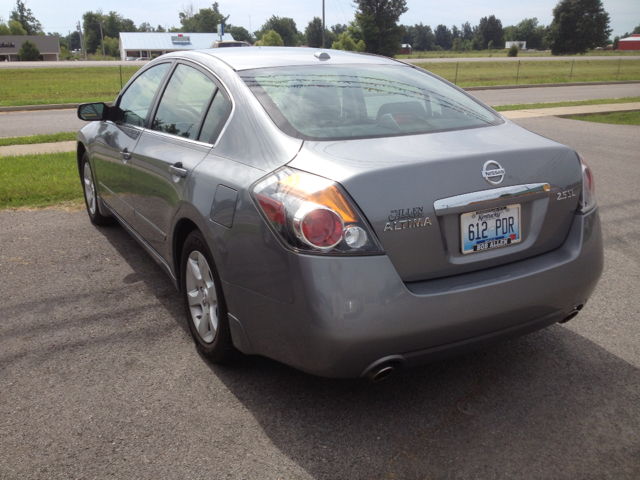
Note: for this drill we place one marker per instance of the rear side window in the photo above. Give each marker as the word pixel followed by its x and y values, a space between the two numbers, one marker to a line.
pixel 342 101
pixel 184 102
pixel 135 102
pixel 216 118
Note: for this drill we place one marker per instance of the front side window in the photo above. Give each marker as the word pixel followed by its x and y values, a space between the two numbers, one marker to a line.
pixel 184 103
pixel 135 102
pixel 342 101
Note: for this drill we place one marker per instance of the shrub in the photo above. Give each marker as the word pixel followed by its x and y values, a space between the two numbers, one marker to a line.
pixel 29 52
pixel 513 51
pixel 271 39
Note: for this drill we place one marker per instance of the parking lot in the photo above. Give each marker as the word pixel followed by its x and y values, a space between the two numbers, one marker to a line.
pixel 99 377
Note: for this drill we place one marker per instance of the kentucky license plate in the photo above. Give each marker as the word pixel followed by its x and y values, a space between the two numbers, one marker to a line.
pixel 490 228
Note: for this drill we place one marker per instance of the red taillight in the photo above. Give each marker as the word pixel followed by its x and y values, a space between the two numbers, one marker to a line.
pixel 312 214
pixel 273 209
pixel 322 228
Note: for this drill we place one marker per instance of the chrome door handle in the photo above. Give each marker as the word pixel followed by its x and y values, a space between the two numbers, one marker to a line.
pixel 124 155
pixel 177 170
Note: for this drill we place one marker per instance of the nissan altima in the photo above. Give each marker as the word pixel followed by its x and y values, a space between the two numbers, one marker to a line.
pixel 342 213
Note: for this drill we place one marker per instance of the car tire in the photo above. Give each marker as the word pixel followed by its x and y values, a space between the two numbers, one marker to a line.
pixel 204 301
pixel 90 193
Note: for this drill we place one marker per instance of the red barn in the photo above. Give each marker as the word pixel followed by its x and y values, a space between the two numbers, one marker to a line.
pixel 630 43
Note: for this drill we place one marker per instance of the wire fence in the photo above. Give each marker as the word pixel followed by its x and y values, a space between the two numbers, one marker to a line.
pixel 38 86
pixel 468 74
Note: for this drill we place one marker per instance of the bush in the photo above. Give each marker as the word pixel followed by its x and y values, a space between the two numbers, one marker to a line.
pixel 513 51
pixel 271 39
pixel 29 52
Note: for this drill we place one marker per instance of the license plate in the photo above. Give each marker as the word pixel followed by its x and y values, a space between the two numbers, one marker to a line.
pixel 490 228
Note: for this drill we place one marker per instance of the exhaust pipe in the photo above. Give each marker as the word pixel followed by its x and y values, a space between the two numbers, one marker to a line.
pixel 572 314
pixel 381 372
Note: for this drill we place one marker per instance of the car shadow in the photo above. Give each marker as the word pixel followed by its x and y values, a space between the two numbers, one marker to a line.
pixel 550 405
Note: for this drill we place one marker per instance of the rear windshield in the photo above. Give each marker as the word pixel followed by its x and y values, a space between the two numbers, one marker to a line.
pixel 339 101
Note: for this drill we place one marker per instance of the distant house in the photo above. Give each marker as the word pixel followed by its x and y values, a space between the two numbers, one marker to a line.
pixel 48 45
pixel 150 44
pixel 405 49
pixel 521 45
pixel 630 43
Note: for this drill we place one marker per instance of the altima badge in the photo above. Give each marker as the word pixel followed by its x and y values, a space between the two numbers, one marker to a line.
pixel 493 172
pixel 409 223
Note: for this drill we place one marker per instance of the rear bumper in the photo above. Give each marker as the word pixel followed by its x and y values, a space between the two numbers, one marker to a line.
pixel 350 313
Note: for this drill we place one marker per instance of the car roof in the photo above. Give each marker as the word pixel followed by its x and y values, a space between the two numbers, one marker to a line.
pixel 269 57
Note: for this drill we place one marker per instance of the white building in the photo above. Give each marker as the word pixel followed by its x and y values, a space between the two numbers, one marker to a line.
pixel 150 44
pixel 521 45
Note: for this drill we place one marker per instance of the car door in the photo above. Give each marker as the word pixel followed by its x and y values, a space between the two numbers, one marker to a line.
pixel 177 140
pixel 118 137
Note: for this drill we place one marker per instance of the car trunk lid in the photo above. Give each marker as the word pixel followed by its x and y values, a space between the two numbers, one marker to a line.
pixel 414 190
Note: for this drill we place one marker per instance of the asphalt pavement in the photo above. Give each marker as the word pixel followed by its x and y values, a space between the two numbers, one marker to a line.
pixel 99 377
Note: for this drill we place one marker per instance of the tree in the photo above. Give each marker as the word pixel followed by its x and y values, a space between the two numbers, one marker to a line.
pixel 285 27
pixel 112 25
pixel 528 31
pixel 112 46
pixel 636 30
pixel 24 15
pixel 577 26
pixel 239 33
pixel 467 32
pixel 378 20
pixel 16 28
pixel 457 45
pixel 313 33
pixel 29 52
pixel 345 42
pixel 4 29
pixel 146 27
pixel 616 42
pixel 489 30
pixel 205 21
pixel 338 28
pixel 444 38
pixel 160 29
pixel 271 39
pixel 423 37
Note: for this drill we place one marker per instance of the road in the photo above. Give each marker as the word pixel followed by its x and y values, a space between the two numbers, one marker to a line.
pixel 101 63
pixel 13 124
pixel 99 377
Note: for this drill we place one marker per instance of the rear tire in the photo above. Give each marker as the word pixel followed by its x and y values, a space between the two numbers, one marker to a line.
pixel 90 194
pixel 204 302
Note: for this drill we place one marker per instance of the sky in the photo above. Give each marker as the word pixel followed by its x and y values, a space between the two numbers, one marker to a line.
pixel 251 14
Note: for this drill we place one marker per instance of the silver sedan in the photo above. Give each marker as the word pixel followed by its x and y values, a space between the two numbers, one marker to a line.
pixel 343 213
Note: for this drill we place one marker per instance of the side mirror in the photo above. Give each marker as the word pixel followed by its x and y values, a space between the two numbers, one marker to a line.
pixel 92 111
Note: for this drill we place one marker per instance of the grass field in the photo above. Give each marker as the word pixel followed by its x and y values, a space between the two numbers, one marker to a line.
pixel 618 118
pixel 471 74
pixel 601 101
pixel 39 180
pixel 39 86
pixel 44 138
pixel 503 53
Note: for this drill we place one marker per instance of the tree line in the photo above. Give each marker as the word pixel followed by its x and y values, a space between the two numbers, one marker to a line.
pixel 577 26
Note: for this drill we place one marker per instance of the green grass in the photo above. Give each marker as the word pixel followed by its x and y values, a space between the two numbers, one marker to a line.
pixel 471 74
pixel 45 138
pixel 41 86
pixel 503 53
pixel 618 118
pixel 39 180
pixel 531 106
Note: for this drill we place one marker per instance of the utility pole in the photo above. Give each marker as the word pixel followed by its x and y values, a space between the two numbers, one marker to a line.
pixel 322 23
pixel 102 39
pixel 82 47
